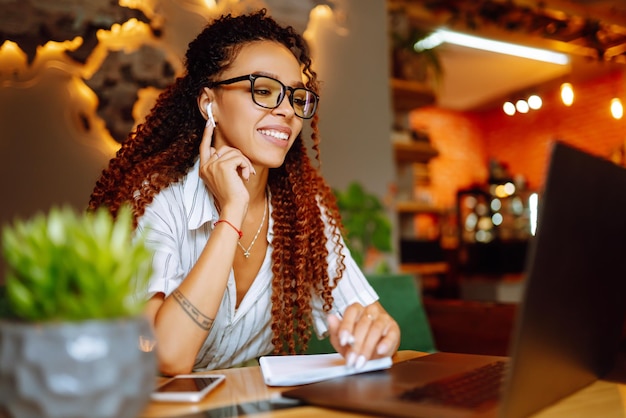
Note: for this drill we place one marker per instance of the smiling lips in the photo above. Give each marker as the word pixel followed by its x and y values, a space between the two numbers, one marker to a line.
pixel 276 134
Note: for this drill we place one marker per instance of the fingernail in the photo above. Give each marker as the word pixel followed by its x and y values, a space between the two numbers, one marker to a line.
pixel 381 349
pixel 344 337
pixel 360 362
pixel 386 330
pixel 351 359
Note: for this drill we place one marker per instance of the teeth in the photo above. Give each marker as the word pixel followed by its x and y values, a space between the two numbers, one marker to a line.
pixel 275 134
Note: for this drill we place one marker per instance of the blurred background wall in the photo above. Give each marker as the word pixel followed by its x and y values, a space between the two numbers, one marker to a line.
pixel 54 140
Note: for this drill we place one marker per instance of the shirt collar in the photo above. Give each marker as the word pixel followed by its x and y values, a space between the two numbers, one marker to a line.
pixel 200 204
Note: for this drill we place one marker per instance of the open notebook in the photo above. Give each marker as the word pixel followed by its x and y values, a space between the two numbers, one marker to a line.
pixel 309 368
pixel 569 323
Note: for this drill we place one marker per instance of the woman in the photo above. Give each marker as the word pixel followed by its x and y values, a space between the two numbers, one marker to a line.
pixel 246 232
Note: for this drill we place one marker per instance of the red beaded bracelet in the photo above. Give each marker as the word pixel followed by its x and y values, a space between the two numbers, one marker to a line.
pixel 231 225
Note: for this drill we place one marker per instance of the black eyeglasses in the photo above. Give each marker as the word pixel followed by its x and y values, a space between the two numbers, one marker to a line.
pixel 269 93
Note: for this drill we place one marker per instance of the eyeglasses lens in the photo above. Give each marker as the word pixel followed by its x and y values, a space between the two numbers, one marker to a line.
pixel 304 103
pixel 269 93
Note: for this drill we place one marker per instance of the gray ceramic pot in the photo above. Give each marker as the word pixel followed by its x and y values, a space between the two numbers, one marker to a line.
pixel 91 369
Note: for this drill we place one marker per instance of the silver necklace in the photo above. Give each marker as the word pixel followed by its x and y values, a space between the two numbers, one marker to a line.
pixel 246 253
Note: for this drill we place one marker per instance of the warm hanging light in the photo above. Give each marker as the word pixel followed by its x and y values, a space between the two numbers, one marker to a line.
pixel 535 102
pixel 617 110
pixel 508 108
pixel 567 94
pixel 522 106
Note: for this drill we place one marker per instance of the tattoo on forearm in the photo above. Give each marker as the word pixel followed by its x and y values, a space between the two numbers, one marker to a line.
pixel 198 317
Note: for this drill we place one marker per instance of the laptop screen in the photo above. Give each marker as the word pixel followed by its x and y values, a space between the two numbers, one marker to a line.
pixel 570 323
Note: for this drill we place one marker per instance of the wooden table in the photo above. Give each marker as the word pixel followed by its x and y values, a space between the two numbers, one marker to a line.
pixel 245 385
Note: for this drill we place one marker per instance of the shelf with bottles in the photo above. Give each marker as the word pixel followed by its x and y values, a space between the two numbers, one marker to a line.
pixel 409 94
pixel 412 151
pixel 414 207
pixel 417 216
pixel 495 224
pixel 486 215
pixel 413 175
pixel 418 219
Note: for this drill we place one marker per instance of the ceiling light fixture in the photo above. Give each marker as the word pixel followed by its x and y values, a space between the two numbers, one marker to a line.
pixel 440 36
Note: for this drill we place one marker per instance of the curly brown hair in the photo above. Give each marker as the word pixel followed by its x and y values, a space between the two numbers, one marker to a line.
pixel 163 148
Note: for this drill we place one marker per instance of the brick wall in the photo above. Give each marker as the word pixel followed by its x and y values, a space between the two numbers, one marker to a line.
pixel 463 155
pixel 468 140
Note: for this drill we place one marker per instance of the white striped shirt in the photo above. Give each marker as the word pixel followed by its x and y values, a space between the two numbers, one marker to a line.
pixel 177 225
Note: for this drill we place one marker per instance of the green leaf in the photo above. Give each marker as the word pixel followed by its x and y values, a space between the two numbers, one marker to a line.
pixel 366 224
pixel 74 266
pixel 21 300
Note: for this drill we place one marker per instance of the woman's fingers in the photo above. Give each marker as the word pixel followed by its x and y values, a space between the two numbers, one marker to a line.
pixel 365 333
pixel 388 344
pixel 336 340
pixel 229 158
pixel 233 160
pixel 206 151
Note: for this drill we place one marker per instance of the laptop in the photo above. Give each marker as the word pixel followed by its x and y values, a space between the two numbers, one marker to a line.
pixel 568 327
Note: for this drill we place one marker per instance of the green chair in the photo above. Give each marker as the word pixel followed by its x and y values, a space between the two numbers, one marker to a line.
pixel 401 297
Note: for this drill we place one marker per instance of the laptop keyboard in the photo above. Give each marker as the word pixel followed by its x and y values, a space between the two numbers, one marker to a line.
pixel 467 390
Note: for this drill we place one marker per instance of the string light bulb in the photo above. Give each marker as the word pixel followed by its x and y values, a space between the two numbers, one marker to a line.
pixel 508 108
pixel 535 102
pixel 617 109
pixel 567 94
pixel 522 106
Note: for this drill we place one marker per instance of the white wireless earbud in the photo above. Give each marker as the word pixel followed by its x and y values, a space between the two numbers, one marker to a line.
pixel 209 113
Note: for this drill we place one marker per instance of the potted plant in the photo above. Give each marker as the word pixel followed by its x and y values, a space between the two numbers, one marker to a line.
pixel 367 227
pixel 409 63
pixel 73 342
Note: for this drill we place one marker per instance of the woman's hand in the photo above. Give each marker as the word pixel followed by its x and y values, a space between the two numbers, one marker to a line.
pixel 364 333
pixel 224 170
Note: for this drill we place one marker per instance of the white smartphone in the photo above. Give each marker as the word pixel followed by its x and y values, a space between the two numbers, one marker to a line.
pixel 187 387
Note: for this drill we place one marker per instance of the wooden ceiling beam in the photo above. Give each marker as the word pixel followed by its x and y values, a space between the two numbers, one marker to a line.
pixel 609 12
pixel 561 25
